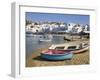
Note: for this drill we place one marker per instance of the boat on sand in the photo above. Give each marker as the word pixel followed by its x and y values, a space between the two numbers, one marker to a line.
pixel 71 46
pixel 56 55
pixel 64 51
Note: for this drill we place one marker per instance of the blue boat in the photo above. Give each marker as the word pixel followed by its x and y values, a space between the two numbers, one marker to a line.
pixel 57 57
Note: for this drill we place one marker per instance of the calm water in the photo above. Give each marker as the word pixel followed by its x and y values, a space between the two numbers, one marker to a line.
pixel 33 43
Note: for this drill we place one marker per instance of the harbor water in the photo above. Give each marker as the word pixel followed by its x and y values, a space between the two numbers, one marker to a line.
pixel 33 42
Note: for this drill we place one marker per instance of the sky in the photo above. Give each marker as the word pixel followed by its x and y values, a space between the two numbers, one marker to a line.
pixel 55 17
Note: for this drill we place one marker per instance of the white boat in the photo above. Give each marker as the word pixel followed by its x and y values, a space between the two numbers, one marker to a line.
pixel 45 40
pixel 72 46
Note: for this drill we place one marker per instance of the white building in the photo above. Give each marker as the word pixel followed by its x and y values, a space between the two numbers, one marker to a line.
pixel 62 25
pixel 86 28
pixel 70 27
pixel 33 28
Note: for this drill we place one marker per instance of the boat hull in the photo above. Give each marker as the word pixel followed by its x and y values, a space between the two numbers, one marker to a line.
pixel 79 50
pixel 57 56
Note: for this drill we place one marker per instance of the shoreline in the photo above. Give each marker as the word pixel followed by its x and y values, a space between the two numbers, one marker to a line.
pixel 34 60
pixel 78 59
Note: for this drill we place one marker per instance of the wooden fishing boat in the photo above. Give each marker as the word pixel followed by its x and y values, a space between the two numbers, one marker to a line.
pixel 56 55
pixel 72 46
pixel 64 51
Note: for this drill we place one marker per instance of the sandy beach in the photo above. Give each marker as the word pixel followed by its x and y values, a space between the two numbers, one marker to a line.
pixel 35 60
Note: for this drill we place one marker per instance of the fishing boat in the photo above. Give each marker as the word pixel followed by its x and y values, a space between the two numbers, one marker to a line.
pixel 72 46
pixel 45 38
pixel 56 55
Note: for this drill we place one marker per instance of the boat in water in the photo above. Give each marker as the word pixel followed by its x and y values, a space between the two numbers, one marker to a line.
pixel 45 40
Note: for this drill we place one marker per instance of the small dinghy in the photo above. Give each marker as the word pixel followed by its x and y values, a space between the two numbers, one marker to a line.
pixel 56 55
pixel 45 40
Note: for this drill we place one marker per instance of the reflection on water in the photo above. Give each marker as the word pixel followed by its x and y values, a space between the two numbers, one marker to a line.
pixel 33 42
